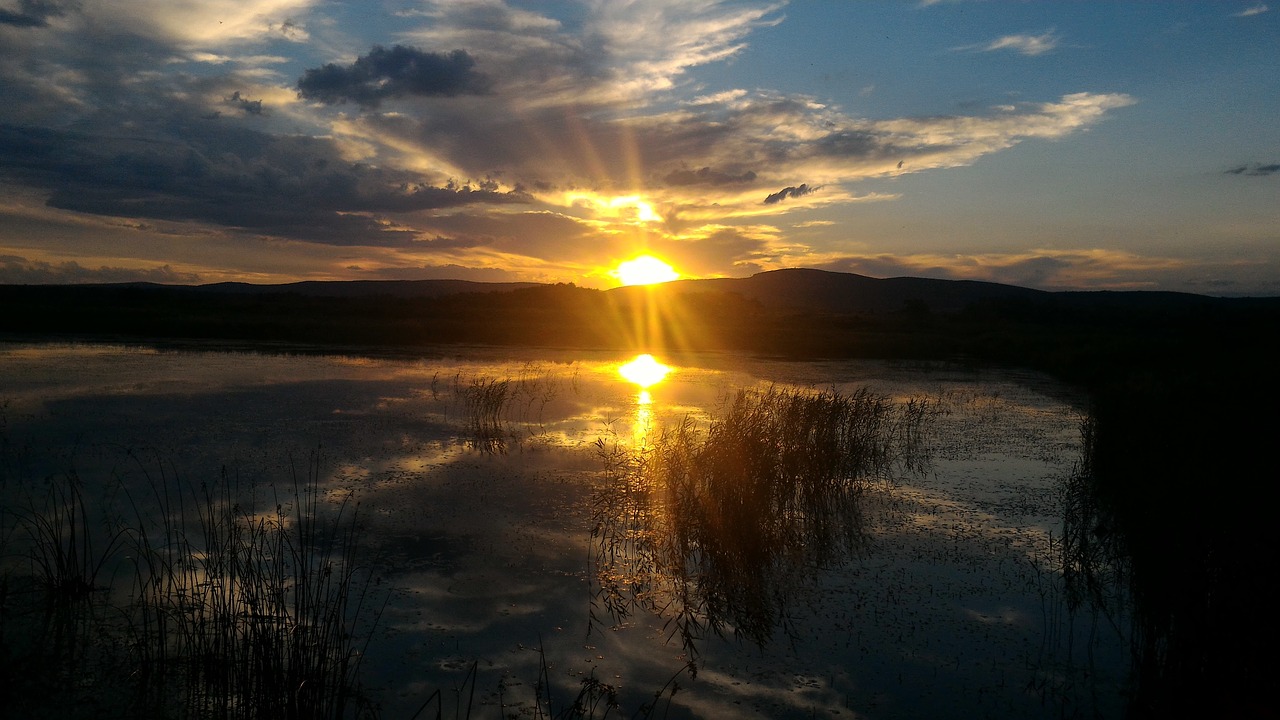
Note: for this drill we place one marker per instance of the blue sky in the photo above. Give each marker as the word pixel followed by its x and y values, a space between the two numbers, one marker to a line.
pixel 1056 145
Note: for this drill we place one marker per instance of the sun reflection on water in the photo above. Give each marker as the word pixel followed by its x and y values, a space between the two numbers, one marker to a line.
pixel 645 372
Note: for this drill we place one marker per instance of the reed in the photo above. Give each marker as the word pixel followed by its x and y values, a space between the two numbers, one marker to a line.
pixel 247 615
pixel 230 614
pixel 485 400
pixel 62 541
pixel 721 528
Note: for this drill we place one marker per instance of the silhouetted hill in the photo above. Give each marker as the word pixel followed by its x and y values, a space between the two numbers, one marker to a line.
pixel 847 293
pixel 835 293
pixel 784 313
pixel 346 288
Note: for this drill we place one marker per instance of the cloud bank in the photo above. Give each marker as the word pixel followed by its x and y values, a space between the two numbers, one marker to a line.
pixel 476 134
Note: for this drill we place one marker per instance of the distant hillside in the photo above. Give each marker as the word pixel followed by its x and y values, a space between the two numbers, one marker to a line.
pixel 847 293
pixel 349 288
pixel 835 293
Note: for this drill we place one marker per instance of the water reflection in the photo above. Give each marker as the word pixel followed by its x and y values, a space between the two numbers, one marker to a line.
pixel 643 371
pixel 1167 559
pixel 721 529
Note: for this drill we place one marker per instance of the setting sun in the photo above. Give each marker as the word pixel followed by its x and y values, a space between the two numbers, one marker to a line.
pixel 645 270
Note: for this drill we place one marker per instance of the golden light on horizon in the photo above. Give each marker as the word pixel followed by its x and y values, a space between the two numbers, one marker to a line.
pixel 644 371
pixel 645 270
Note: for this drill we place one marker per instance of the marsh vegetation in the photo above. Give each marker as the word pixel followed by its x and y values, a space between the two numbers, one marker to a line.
pixel 720 528
pixel 525 536
pixel 204 605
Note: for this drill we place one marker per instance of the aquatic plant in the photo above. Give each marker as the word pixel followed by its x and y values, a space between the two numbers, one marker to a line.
pixel 721 529
pixel 232 614
pixel 62 550
pixel 247 615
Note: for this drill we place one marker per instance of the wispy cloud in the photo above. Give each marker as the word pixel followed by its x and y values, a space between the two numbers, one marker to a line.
pixel 1251 11
pixel 1029 45
pixel 488 136
pixel 1254 169
pixel 1084 269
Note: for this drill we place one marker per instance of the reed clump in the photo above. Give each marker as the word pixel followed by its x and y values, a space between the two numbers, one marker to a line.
pixel 485 400
pixel 720 528
pixel 256 616
pixel 227 612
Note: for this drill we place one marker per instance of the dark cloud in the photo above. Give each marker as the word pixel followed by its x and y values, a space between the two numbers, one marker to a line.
pixel 243 104
pixel 294 187
pixel 16 270
pixel 791 192
pixel 31 13
pixel 1254 170
pixel 707 176
pixel 398 72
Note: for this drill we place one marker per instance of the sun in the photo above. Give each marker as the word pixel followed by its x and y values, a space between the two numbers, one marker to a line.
pixel 645 270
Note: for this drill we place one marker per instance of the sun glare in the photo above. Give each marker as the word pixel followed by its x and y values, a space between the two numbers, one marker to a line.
pixel 644 371
pixel 645 270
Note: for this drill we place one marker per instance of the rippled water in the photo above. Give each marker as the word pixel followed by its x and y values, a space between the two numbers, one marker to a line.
pixel 479 537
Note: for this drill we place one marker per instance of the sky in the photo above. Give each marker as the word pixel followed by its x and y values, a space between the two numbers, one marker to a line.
pixel 1056 145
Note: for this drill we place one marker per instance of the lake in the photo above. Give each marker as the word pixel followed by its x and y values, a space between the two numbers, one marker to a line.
pixel 512 543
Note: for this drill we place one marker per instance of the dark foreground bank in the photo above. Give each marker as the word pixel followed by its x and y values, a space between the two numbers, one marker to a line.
pixel 1170 515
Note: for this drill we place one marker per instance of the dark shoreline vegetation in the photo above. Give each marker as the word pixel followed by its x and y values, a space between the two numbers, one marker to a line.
pixel 1167 521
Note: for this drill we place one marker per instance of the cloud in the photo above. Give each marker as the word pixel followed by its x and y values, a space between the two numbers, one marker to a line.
pixel 552 124
pixel 236 178
pixel 32 13
pixel 1030 45
pixel 707 176
pixel 398 72
pixel 1254 170
pixel 613 53
pixel 15 270
pixel 790 192
pixel 243 104
pixel 1252 11
pixel 198 23
pixel 1080 269
pixel 541 235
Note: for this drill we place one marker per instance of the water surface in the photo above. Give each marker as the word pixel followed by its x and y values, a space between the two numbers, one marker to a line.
pixel 477 528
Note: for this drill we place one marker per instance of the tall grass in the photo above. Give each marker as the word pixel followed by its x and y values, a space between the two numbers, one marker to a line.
pixel 247 615
pixel 62 540
pixel 720 529
pixel 485 399
pixel 227 612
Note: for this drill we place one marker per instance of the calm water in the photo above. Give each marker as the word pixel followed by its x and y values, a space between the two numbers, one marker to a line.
pixel 481 547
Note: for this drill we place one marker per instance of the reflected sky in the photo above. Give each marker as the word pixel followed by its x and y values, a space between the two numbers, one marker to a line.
pixel 484 553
